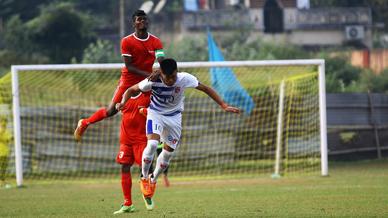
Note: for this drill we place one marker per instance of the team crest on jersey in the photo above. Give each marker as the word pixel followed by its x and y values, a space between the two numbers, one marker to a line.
pixel 177 89
pixel 172 140
pixel 158 90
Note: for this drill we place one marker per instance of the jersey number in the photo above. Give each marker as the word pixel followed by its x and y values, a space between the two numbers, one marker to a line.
pixel 121 154
pixel 157 127
pixel 168 98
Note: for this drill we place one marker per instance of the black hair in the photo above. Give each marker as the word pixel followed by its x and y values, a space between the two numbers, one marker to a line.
pixel 168 66
pixel 138 13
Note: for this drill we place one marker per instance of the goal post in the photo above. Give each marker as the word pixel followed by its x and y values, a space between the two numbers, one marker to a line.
pixel 323 119
pixel 16 127
pixel 48 100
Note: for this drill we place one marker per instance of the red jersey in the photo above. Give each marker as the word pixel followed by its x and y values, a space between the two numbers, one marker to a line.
pixel 142 52
pixel 133 123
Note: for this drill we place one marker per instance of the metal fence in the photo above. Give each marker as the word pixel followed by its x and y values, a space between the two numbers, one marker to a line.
pixel 357 126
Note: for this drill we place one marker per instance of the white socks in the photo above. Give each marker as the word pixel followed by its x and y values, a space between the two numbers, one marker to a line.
pixel 162 163
pixel 148 156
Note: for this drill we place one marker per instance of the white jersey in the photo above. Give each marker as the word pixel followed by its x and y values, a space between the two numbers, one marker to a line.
pixel 169 100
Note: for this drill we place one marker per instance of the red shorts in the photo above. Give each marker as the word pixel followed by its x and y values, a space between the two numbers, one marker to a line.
pixel 131 153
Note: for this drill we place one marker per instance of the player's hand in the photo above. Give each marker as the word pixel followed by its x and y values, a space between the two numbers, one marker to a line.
pixel 230 109
pixel 119 106
pixel 143 111
pixel 154 75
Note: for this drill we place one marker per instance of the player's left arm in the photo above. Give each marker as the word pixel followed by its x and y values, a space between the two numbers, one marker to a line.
pixel 159 51
pixel 159 55
pixel 213 94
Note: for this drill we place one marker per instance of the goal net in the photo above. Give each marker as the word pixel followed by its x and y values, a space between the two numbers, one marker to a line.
pixel 282 130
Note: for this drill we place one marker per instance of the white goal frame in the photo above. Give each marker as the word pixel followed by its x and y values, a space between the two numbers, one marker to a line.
pixel 320 63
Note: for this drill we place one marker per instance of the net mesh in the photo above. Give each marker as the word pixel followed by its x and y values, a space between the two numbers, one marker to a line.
pixel 213 142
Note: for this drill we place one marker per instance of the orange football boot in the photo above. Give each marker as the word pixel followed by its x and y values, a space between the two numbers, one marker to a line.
pixel 148 189
pixel 79 131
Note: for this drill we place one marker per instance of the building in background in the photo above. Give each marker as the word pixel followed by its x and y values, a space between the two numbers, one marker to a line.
pixel 291 21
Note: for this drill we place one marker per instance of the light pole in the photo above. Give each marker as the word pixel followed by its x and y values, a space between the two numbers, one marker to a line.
pixel 122 19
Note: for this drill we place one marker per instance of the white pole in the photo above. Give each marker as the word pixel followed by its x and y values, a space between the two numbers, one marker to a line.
pixel 322 114
pixel 279 134
pixel 16 127
pixel 122 19
pixel 300 62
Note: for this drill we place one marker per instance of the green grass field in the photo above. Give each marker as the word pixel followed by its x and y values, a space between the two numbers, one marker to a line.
pixel 354 189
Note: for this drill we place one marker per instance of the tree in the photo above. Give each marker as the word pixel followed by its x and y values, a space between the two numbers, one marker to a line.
pixel 61 32
pixel 5 7
pixel 25 9
pixel 15 36
pixel 375 83
pixel 102 51
pixel 340 75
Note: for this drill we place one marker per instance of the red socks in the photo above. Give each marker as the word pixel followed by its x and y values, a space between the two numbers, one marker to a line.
pixel 126 185
pixel 97 116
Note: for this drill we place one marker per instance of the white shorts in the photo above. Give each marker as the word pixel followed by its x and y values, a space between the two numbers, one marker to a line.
pixel 169 128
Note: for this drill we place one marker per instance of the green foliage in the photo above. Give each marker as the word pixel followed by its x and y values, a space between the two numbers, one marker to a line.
pixel 281 51
pixel 12 57
pixel 341 76
pixel 5 89
pixel 189 49
pixel 61 32
pixel 102 51
pixel 5 7
pixel 358 80
pixel 104 13
pixel 16 46
pixel 174 6
pixel 16 36
pixel 26 9
pixel 377 83
pixel 235 46
pixel 238 46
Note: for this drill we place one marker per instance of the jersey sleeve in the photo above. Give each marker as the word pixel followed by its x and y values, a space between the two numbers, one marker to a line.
pixel 158 44
pixel 125 48
pixel 190 81
pixel 145 85
pixel 159 52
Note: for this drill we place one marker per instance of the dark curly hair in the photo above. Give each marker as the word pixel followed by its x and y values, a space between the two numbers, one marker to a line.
pixel 138 13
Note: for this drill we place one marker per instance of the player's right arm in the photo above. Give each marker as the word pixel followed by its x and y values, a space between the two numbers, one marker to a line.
pixel 143 86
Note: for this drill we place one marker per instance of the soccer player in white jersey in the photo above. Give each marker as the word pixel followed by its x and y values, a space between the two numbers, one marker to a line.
pixel 164 118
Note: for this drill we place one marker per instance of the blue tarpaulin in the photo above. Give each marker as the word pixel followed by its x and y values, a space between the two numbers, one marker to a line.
pixel 191 5
pixel 225 82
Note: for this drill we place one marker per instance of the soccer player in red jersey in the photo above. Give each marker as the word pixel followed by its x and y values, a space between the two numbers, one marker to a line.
pixel 139 51
pixel 133 140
